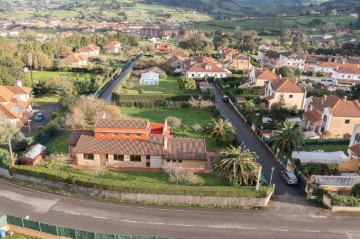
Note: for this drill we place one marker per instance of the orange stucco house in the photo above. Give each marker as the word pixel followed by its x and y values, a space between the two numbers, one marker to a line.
pixel 122 144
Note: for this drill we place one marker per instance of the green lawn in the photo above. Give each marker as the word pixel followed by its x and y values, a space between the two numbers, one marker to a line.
pixel 188 116
pixel 58 144
pixel 45 75
pixel 327 148
pixel 20 236
pixel 46 99
pixel 169 86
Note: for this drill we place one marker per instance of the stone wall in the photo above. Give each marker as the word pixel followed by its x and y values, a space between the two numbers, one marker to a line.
pixel 145 198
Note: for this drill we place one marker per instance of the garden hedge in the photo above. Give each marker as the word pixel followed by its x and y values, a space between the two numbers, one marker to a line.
pixel 138 187
pixel 344 201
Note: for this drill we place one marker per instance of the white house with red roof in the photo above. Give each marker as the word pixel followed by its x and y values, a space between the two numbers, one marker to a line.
pixel 89 50
pixel 40 37
pixel 333 114
pixel 201 67
pixel 113 47
pixel 346 77
pixel 15 103
pixel 75 60
pixel 330 67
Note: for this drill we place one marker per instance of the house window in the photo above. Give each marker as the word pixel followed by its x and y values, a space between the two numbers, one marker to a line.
pixel 119 157
pixel 291 96
pixel 135 158
pixel 89 156
pixel 103 134
pixel 127 134
pixel 347 121
pixel 179 161
pixel 115 134
pixel 138 135
pixel 147 156
pixel 168 160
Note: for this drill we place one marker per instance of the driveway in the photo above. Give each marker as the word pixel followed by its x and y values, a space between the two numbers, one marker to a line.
pixel 47 110
pixel 107 93
pixel 252 142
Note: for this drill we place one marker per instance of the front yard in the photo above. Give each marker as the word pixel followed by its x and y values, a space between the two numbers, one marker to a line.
pixel 188 116
pixel 170 86
pixel 58 144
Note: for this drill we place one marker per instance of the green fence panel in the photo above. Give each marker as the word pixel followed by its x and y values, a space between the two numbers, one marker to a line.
pixel 84 235
pixel 104 236
pixel 50 229
pixel 31 225
pixel 66 232
pixel 16 221
pixel 3 221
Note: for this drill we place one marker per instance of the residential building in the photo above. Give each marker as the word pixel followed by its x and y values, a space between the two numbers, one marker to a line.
pixel 163 48
pixel 176 62
pixel 15 104
pixel 294 95
pixel 346 77
pixel 121 144
pixel 153 69
pixel 295 60
pixel 160 32
pixel 203 67
pixel 269 57
pixel 75 60
pixel 150 78
pixel 89 50
pixel 234 60
pixel 332 114
pixel 40 37
pixel 179 52
pixel 260 76
pixel 113 47
pixel 330 67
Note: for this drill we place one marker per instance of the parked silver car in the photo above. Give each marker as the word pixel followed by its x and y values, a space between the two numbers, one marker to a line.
pixel 289 177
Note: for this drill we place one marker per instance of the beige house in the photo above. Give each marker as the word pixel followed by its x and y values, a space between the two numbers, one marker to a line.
pixel 113 47
pixel 121 144
pixel 234 60
pixel 261 76
pixel 89 50
pixel 75 60
pixel 332 114
pixel 293 94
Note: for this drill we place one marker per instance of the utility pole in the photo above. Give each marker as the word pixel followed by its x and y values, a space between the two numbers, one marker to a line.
pixel 258 179
pixel 272 171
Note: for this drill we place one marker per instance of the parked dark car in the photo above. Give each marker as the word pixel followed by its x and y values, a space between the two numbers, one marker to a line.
pixel 225 98
pixel 39 117
pixel 289 177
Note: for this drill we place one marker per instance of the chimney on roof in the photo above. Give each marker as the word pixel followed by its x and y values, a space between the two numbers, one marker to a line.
pixel 165 126
pixel 165 143
pixel 324 98
pixel 19 83
pixel 280 77
pixel 345 98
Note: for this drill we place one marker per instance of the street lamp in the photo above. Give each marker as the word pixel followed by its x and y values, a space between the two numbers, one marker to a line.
pixel 272 171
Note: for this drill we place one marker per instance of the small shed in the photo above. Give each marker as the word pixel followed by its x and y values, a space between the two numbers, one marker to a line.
pixel 150 78
pixel 204 86
pixel 240 99
pixel 35 155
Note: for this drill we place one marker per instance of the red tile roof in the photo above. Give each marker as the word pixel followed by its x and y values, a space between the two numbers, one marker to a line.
pixel 88 48
pixel 356 149
pixel 265 74
pixel 313 116
pixel 178 52
pixel 74 58
pixel 75 136
pixel 112 45
pixel 338 64
pixel 286 85
pixel 19 89
pixel 354 71
pixel 205 67
pixel 338 107
pixel 193 149
pixel 119 123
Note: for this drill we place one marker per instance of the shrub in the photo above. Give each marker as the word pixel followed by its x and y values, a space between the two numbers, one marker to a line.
pixel 344 201
pixel 355 191
pixel 196 127
pixel 173 121
pixel 319 193
pixel 56 161
pixel 179 175
pixel 4 157
pixel 140 187
pixel 141 91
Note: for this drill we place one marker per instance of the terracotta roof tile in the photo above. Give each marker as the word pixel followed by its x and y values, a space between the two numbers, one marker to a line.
pixel 205 67
pixel 178 52
pixel 19 90
pixel 88 48
pixel 338 64
pixel 74 58
pixel 286 85
pixel 151 146
pixel 186 149
pixel 265 74
pixel 118 123
pixel 354 71
pixel 338 107
pixel 75 136
pixel 5 94
pixel 313 116
pixel 356 149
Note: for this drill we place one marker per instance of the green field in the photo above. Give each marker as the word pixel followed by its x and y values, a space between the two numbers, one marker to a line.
pixel 45 75
pixel 169 86
pixel 46 99
pixel 326 148
pixel 58 144
pixel 188 116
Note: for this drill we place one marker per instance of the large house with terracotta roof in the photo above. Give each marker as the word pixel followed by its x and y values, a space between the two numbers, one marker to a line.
pixel 75 60
pixel 260 76
pixel 234 60
pixel 15 104
pixel 202 67
pixel 333 114
pixel 163 48
pixel 330 67
pixel 113 47
pixel 121 144
pixel 294 60
pixel 179 52
pixel 89 50
pixel 346 77
pixel 293 94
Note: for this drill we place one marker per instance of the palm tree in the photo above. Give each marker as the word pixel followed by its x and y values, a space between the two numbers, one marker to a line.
pixel 237 167
pixel 221 130
pixel 288 136
pixel 7 133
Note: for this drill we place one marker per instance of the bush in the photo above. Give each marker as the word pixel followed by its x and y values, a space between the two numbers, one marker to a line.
pixel 4 157
pixel 355 191
pixel 56 161
pixel 141 91
pixel 179 175
pixel 173 121
pixel 140 187
pixel 319 193
pixel 344 201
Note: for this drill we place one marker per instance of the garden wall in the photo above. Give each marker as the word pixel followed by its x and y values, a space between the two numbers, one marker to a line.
pixel 209 201
pixel 327 202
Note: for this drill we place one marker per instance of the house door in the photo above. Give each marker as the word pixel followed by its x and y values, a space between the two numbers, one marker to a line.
pixel 155 161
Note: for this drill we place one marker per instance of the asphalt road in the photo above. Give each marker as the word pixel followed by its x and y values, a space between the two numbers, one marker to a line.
pixel 280 220
pixel 252 142
pixel 106 94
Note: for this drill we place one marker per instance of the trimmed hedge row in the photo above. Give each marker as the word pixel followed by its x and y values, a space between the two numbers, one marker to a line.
pixel 143 188
pixel 344 201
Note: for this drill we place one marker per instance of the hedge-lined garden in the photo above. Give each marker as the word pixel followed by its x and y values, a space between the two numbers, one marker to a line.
pixel 68 176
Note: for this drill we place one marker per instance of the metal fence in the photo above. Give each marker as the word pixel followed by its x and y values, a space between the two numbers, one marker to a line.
pixel 62 231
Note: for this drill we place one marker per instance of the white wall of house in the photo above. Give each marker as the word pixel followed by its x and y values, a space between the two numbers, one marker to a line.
pixel 293 62
pixel 337 75
pixel 205 74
